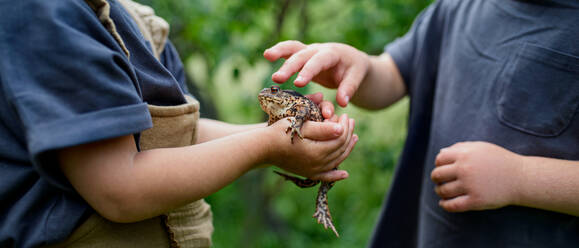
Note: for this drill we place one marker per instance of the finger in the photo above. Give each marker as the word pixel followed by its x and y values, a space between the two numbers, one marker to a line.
pixel 334 118
pixel 346 123
pixel 322 131
pixel 457 204
pixel 327 109
pixel 318 62
pixel 445 156
pixel 317 97
pixel 350 140
pixel 443 174
pixel 331 176
pixel 345 154
pixel 450 189
pixel 292 65
pixel 349 85
pixel 341 144
pixel 283 49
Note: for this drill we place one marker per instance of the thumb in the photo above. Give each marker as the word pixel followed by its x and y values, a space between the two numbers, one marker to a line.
pixel 322 131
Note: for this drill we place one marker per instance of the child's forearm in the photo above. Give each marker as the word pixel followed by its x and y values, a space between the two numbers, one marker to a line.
pixel 549 184
pixel 208 129
pixel 382 86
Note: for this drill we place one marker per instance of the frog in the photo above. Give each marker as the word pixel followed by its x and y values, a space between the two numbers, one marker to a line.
pixel 297 109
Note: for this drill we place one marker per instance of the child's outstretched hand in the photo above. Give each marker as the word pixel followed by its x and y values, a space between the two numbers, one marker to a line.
pixel 332 65
pixel 324 147
pixel 476 176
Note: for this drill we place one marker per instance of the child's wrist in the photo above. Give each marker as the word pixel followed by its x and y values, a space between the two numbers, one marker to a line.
pixel 519 180
pixel 269 145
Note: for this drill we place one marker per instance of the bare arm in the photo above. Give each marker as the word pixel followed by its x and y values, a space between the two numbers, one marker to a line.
pixel 125 185
pixel 118 181
pixel 208 129
pixel 549 184
pixel 480 175
pixel 382 86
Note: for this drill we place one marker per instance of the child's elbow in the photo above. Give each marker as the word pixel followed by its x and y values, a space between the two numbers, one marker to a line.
pixel 120 208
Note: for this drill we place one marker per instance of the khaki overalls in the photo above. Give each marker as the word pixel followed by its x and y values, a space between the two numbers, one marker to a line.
pixel 173 126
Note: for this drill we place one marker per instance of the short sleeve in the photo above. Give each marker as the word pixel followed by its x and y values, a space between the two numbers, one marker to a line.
pixel 416 54
pixel 66 78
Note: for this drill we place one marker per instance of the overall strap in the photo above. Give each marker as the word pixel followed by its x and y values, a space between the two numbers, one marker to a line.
pixel 103 10
pixel 155 29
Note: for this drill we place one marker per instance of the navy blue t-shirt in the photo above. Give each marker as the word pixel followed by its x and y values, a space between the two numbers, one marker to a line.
pixel 500 71
pixel 65 81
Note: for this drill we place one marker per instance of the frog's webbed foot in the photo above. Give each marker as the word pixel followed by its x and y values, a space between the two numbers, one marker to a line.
pixel 302 183
pixel 295 126
pixel 322 214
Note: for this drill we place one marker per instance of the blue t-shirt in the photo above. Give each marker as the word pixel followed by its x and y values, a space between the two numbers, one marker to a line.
pixel 500 71
pixel 65 81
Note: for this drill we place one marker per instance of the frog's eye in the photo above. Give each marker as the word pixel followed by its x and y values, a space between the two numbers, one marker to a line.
pixel 274 89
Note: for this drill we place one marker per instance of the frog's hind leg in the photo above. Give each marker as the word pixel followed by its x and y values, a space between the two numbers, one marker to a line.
pixel 302 183
pixel 322 214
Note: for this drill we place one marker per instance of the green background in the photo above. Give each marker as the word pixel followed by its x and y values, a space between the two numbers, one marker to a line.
pixel 221 43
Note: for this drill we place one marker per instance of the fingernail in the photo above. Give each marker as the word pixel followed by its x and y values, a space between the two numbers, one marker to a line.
pixel 327 112
pixel 299 79
pixel 347 99
pixel 355 138
pixel 344 175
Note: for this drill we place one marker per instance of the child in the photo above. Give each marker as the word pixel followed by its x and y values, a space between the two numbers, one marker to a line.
pixel 493 124
pixel 80 166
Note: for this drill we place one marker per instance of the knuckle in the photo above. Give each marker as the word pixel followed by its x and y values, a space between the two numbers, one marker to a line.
pixel 442 191
pixel 435 176
pixel 456 206
pixel 461 170
pixel 446 205
pixel 306 72
pixel 334 45
pixel 437 191
pixel 453 206
pixel 326 52
pixel 349 87
pixel 291 43
pixel 290 62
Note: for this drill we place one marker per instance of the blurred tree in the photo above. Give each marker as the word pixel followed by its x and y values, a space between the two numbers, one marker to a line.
pixel 219 29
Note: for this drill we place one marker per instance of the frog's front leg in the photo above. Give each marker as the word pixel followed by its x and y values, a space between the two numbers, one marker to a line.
pixel 297 117
pixel 295 127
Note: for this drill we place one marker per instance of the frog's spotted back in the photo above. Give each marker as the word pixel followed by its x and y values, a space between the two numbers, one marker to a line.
pixel 278 104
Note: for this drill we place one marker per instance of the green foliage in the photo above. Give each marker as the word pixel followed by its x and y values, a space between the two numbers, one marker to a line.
pixel 222 42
